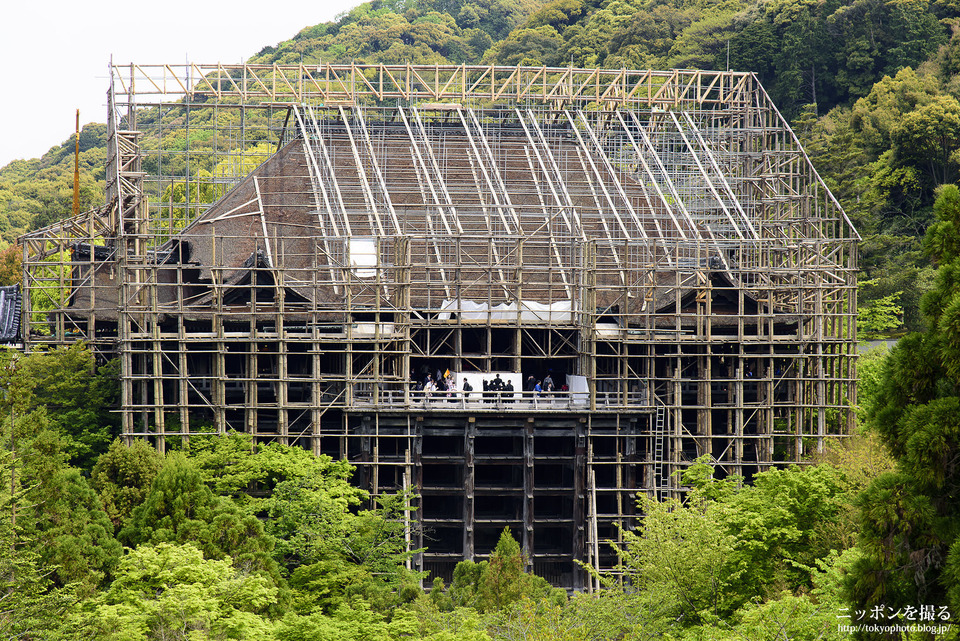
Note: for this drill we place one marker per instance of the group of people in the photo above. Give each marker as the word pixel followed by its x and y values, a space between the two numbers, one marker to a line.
pixel 539 387
pixel 444 384
pixel 497 389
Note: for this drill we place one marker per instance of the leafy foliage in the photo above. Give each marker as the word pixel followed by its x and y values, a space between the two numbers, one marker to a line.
pixel 180 508
pixel 909 533
pixel 11 261
pixel 75 395
pixel 500 582
pixel 335 551
pixel 29 598
pixel 169 591
pixel 679 553
pixel 879 315
pixel 56 521
pixel 38 192
pixel 732 546
pixel 122 477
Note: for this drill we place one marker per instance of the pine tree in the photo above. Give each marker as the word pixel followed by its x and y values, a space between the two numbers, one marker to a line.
pixel 910 517
pixel 181 508
pixel 122 477
pixel 503 578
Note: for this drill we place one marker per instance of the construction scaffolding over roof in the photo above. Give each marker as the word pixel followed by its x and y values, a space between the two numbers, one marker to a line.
pixel 292 250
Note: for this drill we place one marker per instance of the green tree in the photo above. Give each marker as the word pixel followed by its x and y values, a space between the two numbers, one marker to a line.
pixel 540 620
pixel 703 44
pixel 464 590
pixel 908 516
pixel 942 241
pixel 334 548
pixel 646 40
pixel 169 591
pixel 803 54
pixel 878 315
pixel 705 564
pixel 869 372
pixel 839 154
pixel 55 517
pixel 75 394
pixel 69 530
pixel 348 556
pixel 678 560
pixel 231 465
pixel 355 621
pixel 558 14
pixel 894 264
pixel 876 38
pixel 876 116
pixel 501 581
pixel 30 602
pixel 180 508
pixel 783 523
pixel 928 138
pixel 123 476
pixel 528 47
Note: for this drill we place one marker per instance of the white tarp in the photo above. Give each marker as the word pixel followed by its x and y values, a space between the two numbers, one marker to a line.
pixel 363 257
pixel 579 391
pixel 559 312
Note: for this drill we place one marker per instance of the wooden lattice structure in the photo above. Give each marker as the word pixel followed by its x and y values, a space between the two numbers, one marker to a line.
pixel 289 250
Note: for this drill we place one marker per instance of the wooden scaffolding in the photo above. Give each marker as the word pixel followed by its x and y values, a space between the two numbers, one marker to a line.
pixel 290 251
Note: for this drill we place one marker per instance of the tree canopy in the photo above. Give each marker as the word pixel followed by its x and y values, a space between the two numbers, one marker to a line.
pixel 909 520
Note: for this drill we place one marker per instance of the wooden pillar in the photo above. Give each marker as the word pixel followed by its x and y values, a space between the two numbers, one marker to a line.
pixel 580 502
pixel 528 485
pixel 468 488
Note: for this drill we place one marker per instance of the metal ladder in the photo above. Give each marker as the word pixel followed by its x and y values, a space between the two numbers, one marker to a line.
pixel 660 482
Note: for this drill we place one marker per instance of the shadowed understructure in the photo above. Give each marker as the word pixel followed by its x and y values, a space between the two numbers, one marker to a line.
pixel 296 252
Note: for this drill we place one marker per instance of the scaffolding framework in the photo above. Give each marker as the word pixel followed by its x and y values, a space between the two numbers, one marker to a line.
pixel 289 250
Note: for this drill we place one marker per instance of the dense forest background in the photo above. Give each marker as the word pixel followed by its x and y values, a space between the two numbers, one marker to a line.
pixel 222 540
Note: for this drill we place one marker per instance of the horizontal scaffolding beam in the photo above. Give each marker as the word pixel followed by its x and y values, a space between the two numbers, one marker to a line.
pixel 352 84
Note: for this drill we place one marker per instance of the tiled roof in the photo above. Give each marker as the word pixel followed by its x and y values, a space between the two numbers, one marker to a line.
pixel 10 301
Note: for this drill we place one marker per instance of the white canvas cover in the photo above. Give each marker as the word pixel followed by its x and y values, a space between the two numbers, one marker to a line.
pixel 558 312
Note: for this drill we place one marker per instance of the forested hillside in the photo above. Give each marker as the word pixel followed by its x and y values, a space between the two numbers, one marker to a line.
pixel 222 540
pixel 35 193
pixel 826 53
